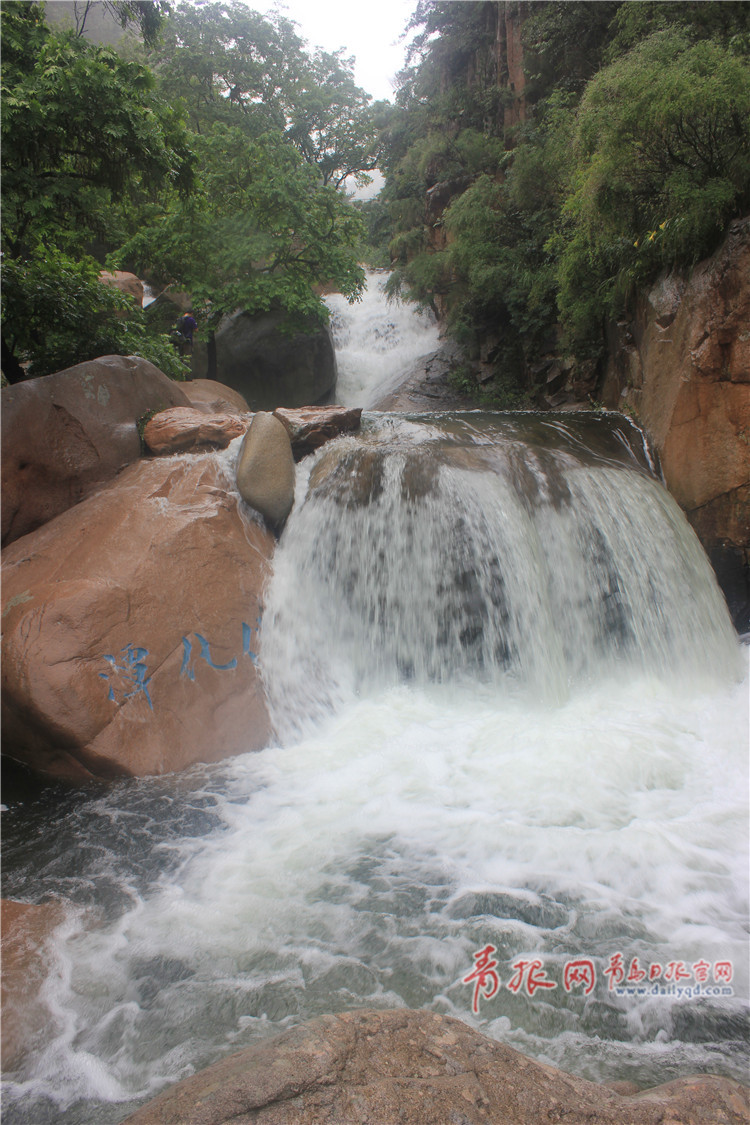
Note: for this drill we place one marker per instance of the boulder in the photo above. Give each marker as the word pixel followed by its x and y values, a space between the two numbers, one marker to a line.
pixel 419 1068
pixel 125 282
pixel 25 930
pixel 65 434
pixel 181 429
pixel 269 365
pixel 214 398
pixel 131 628
pixel 265 470
pixel 309 427
pixel 683 368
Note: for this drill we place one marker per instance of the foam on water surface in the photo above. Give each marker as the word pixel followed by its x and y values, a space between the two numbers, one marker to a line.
pixel 376 341
pixel 367 865
pixel 511 713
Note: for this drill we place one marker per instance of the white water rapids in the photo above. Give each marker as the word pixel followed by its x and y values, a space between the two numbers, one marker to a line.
pixel 511 711
pixel 376 342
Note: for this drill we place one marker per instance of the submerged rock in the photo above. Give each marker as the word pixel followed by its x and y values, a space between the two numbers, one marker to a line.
pixel 419 1068
pixel 131 629
pixel 265 470
pixel 64 435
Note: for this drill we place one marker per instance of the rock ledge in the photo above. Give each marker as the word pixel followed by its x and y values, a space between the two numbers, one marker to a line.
pixel 418 1068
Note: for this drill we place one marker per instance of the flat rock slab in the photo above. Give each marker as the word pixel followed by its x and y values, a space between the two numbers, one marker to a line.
pixel 183 429
pixel 408 1067
pixel 309 427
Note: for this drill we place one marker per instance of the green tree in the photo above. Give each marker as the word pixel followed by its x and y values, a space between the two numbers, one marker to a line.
pixel 277 131
pixel 633 158
pixel 259 233
pixel 57 313
pixel 662 163
pixel 146 15
pixel 80 127
pixel 235 66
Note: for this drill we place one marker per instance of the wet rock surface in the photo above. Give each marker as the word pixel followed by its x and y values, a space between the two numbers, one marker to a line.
pixel 66 434
pixel 265 469
pixel 419 1068
pixel 214 398
pixel 427 386
pixel 268 365
pixel 683 366
pixel 184 429
pixel 309 427
pixel 26 1018
pixel 130 628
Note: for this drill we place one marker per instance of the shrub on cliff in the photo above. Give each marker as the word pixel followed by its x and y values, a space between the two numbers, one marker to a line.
pixel 662 163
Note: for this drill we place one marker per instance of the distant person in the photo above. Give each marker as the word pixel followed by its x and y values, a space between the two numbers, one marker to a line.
pixel 186 326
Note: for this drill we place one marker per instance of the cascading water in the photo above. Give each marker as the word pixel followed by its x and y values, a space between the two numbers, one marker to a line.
pixel 510 712
pixel 376 342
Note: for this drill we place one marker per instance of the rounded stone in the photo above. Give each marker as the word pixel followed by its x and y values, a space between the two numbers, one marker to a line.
pixel 265 469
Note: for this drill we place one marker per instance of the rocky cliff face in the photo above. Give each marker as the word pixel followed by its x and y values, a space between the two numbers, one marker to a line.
pixel 682 367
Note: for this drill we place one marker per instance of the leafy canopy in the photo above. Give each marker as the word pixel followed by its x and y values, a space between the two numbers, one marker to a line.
pixel 662 163
pixel 81 127
pixel 633 157
pixel 232 65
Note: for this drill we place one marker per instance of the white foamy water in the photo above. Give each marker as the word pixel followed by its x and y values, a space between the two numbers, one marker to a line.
pixel 511 712
pixel 376 342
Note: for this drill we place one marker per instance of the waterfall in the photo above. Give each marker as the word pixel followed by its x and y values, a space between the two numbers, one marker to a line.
pixel 376 341
pixel 510 711
pixel 432 552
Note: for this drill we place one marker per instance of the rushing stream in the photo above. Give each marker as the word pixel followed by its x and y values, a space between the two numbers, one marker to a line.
pixel 511 712
pixel 376 342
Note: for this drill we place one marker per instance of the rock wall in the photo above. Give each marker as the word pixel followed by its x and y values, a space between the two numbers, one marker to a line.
pixel 682 368
pixel 510 73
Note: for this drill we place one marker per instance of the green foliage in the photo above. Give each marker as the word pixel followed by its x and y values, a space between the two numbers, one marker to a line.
pixel 259 232
pixel 80 125
pixel 233 66
pixel 146 15
pixel 277 129
pixel 726 23
pixel 564 42
pixel 375 214
pixel 243 212
pixel 58 313
pixel 634 158
pixel 662 163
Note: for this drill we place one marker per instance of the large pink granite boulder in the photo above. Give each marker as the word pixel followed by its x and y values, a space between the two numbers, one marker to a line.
pixel 131 625
pixel 65 434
